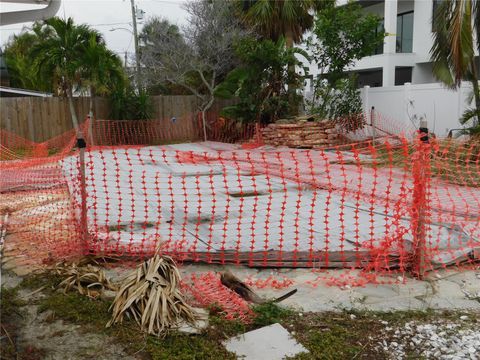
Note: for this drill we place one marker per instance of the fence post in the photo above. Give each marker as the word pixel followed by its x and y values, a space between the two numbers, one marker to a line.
pixel 421 173
pixel 372 123
pixel 81 144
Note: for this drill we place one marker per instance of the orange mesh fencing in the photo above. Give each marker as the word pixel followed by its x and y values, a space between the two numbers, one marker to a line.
pixel 385 203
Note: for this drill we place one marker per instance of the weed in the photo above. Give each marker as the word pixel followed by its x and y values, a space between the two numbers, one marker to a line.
pixel 330 344
pixel 270 313
pixel 10 316
pixel 49 280
pixel 10 302
pixel 180 346
pixel 76 308
pixel 223 329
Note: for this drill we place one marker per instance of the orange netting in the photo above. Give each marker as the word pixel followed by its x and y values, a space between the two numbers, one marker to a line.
pixel 384 201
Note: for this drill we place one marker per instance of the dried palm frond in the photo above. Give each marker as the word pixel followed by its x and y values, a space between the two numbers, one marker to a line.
pixel 151 295
pixel 88 279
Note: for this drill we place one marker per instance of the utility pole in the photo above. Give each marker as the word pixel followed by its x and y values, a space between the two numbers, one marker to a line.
pixel 135 37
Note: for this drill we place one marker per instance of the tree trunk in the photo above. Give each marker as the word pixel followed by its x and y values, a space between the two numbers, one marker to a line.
pixel 90 116
pixel 476 94
pixel 476 90
pixel 204 119
pixel 73 114
pixel 292 88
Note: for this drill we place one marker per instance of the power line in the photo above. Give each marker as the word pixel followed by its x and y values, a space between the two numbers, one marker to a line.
pixel 104 24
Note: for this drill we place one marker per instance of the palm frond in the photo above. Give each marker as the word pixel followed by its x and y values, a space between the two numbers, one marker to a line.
pixel 471 114
pixel 87 279
pixel 151 296
pixel 452 51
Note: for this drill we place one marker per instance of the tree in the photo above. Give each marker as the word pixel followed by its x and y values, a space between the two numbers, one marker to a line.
pixel 75 57
pixel 155 31
pixel 453 50
pixel 60 54
pixel 100 70
pixel 284 18
pixel 259 82
pixel 20 62
pixel 342 35
pixel 200 57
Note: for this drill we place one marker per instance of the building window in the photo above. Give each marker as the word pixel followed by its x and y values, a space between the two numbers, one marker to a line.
pixel 405 32
pixel 371 78
pixel 403 75
pixel 380 28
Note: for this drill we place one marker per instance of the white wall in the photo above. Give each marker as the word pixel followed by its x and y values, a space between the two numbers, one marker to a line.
pixel 423 74
pixel 422 30
pixel 440 106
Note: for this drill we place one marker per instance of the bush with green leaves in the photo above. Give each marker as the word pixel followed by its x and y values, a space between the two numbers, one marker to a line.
pixel 127 104
pixel 342 35
pixel 260 82
pixel 340 102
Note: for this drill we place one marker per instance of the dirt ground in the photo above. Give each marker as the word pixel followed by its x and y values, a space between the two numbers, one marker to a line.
pixel 40 321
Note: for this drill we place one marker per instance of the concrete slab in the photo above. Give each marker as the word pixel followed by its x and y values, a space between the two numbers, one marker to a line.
pixel 272 342
pixel 227 202
pixel 441 294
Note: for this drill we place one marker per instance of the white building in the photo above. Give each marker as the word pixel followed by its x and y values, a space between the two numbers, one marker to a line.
pixel 397 80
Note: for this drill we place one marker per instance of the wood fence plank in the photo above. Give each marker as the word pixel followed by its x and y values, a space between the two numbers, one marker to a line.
pixel 40 119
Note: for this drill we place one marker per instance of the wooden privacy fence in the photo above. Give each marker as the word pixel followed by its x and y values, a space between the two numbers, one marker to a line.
pixel 40 119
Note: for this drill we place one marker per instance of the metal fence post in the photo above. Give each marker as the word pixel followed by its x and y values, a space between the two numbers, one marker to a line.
pixel 372 123
pixel 421 173
pixel 81 144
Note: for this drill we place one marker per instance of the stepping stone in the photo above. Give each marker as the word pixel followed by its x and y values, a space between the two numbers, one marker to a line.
pixel 272 342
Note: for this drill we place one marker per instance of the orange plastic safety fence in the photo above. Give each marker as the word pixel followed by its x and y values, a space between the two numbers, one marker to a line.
pixel 386 204
pixel 208 291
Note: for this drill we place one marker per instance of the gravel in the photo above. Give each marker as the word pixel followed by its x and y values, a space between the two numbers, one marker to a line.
pixel 440 340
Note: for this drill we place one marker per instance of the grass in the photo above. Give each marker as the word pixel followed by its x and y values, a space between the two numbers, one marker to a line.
pixel 10 315
pixel 94 314
pixel 270 313
pixel 76 308
pixel 10 302
pixel 327 335
pixel 180 346
pixel 37 280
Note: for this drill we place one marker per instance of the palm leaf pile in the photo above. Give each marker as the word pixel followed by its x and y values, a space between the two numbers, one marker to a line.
pixel 88 279
pixel 151 296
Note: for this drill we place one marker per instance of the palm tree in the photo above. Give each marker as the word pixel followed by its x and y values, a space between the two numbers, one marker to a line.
pixel 283 18
pixel 61 54
pixel 453 51
pixel 288 18
pixel 20 62
pixel 100 71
